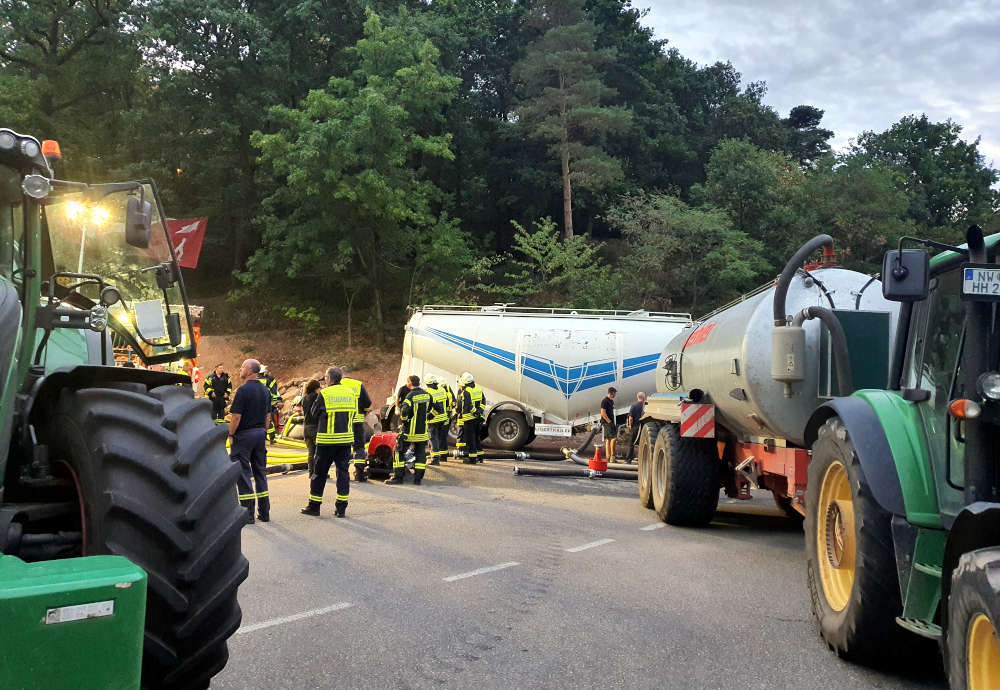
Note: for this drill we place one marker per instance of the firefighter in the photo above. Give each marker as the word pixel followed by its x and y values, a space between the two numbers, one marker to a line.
pixel 334 409
pixel 414 412
pixel 247 428
pixel 470 415
pixel 218 389
pixel 439 419
pixel 358 425
pixel 449 409
pixel 272 388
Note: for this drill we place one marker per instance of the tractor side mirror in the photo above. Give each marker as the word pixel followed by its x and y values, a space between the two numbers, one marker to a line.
pixel 174 329
pixel 906 275
pixel 137 223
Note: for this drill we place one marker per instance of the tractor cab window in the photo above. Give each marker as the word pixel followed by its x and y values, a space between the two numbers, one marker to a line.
pixel 11 226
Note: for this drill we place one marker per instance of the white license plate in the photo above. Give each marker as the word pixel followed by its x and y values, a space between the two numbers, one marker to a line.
pixel 981 282
pixel 553 430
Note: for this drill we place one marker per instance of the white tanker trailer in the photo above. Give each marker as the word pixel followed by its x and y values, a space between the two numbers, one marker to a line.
pixel 736 389
pixel 542 371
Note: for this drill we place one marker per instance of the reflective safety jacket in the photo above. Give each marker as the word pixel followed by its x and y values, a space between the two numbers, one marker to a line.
pixel 414 413
pixel 364 402
pixel 272 387
pixel 439 404
pixel 334 408
pixel 220 385
pixel 472 404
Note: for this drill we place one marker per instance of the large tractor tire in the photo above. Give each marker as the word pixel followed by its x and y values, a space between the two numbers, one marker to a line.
pixel 157 487
pixel 850 561
pixel 647 441
pixel 685 478
pixel 509 429
pixel 973 620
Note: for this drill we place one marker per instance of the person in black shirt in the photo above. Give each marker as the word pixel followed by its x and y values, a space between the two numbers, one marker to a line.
pixel 634 415
pixel 309 423
pixel 608 424
pixel 248 428
pixel 218 388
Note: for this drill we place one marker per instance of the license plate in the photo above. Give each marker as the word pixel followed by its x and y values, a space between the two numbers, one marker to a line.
pixel 981 282
pixel 553 430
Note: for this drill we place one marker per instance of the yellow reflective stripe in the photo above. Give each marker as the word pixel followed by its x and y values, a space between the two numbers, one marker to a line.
pixel 419 466
pixel 245 497
pixel 398 463
pixel 342 497
pixel 262 494
pixel 317 499
pixel 359 461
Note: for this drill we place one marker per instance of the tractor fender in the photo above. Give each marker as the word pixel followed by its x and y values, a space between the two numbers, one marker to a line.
pixel 509 403
pixel 976 527
pixel 870 444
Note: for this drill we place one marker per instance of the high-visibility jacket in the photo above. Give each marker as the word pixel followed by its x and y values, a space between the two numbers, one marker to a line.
pixel 472 404
pixel 335 408
pixel 439 404
pixel 220 385
pixel 364 402
pixel 272 387
pixel 413 413
pixel 449 403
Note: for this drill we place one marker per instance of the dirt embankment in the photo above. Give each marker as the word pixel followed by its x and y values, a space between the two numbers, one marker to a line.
pixel 293 361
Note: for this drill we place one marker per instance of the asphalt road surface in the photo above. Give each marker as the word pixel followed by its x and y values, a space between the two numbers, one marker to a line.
pixel 480 579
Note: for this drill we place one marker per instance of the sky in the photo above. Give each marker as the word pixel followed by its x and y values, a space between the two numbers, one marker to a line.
pixel 865 62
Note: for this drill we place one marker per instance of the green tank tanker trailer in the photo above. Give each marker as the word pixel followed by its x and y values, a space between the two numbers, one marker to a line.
pixel 120 552
pixel 899 483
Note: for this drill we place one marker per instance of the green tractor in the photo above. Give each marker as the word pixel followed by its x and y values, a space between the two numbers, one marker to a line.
pixel 120 554
pixel 903 500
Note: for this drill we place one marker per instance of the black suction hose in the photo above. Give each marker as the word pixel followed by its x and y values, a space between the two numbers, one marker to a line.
pixel 532 455
pixel 625 467
pixel 838 341
pixel 572 472
pixel 593 433
pixel 793 265
pixel 286 467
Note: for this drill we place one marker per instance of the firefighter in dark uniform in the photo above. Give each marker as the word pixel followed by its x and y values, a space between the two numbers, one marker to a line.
pixel 414 412
pixel 470 415
pixel 334 409
pixel 439 419
pixel 248 427
pixel 272 388
pixel 218 389
pixel 449 414
pixel 358 426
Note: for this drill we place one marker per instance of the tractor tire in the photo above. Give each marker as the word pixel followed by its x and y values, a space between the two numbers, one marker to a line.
pixel 158 488
pixel 509 429
pixel 685 478
pixel 647 440
pixel 850 560
pixel 973 649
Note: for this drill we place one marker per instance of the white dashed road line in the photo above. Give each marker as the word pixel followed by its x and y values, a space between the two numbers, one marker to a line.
pixel 480 571
pixel 655 525
pixel 583 547
pixel 296 617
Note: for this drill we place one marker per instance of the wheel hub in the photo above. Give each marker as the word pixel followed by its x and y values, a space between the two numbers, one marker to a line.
pixel 835 540
pixel 507 430
pixel 835 535
pixel 982 654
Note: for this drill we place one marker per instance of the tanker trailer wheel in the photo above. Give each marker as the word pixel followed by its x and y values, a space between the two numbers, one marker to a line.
pixel 158 488
pixel 647 440
pixel 973 619
pixel 850 561
pixel 509 429
pixel 685 478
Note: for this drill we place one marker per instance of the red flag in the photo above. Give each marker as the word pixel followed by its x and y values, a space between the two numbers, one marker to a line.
pixel 187 234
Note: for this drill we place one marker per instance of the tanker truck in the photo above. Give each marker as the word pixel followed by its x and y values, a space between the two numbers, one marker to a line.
pixel 897 477
pixel 542 371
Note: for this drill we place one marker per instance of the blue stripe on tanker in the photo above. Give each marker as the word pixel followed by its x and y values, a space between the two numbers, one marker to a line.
pixel 565 379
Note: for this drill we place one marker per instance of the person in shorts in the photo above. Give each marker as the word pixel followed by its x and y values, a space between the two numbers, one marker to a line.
pixel 608 424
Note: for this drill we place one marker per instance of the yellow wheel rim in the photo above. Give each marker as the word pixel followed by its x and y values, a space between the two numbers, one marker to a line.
pixel 983 651
pixel 835 543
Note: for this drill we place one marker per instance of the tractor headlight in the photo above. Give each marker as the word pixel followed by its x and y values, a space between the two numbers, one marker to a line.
pixel 36 186
pixel 30 148
pixel 989 385
pixel 98 317
pixel 7 140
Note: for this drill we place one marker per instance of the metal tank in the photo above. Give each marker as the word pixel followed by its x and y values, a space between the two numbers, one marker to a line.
pixel 727 354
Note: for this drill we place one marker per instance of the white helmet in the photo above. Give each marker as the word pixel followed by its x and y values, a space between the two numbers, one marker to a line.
pixel 263 368
pixel 432 379
pixel 465 379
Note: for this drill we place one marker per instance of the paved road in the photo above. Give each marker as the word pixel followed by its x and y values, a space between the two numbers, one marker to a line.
pixel 482 579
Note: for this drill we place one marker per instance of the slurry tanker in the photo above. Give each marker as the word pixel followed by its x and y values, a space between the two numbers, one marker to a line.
pixel 543 371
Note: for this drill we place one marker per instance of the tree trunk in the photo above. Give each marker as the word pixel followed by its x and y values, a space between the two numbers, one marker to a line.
pixel 379 330
pixel 350 307
pixel 567 193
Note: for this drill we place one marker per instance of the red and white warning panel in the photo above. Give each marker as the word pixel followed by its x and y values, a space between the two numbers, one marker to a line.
pixel 697 420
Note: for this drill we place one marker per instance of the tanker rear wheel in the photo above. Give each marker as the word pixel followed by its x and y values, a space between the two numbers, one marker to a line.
pixel 647 440
pixel 685 478
pixel 509 429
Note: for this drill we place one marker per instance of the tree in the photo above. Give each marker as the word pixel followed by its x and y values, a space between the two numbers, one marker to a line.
pixel 354 198
pixel 945 178
pixel 563 104
pixel 807 141
pixel 684 258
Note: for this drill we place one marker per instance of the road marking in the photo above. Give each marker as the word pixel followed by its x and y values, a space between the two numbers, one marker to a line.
pixel 296 617
pixel 480 571
pixel 582 547
pixel 655 525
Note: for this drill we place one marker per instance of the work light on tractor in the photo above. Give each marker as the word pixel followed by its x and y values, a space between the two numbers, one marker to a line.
pixel 120 552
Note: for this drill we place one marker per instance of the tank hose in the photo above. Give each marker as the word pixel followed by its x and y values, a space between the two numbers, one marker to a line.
pixel 286 467
pixel 838 341
pixel 622 466
pixel 568 451
pixel 791 268
pixel 572 472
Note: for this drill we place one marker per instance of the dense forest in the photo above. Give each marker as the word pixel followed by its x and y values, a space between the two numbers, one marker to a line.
pixel 358 156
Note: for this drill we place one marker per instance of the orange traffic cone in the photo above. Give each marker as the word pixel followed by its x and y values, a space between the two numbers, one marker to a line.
pixel 598 463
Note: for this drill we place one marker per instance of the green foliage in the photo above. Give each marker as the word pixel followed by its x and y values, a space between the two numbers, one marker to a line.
pixel 683 258
pixel 305 318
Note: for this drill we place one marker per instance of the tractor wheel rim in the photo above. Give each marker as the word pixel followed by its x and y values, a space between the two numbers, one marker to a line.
pixel 835 538
pixel 507 430
pixel 983 654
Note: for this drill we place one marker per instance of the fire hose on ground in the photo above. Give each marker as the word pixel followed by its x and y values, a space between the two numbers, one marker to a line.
pixel 573 472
